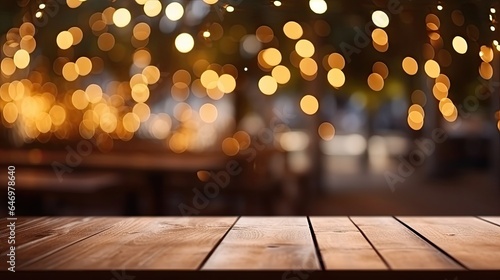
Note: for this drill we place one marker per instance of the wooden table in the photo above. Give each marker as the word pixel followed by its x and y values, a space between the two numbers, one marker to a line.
pixel 256 243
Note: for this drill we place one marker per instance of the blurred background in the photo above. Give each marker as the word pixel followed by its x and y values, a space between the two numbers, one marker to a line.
pixel 262 107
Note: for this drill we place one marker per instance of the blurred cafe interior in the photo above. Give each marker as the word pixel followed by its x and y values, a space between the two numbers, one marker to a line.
pixel 251 107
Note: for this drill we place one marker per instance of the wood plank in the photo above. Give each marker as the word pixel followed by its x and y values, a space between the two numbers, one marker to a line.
pixel 143 243
pixel 400 247
pixel 342 245
pixel 266 243
pixel 473 242
pixel 492 219
pixel 50 235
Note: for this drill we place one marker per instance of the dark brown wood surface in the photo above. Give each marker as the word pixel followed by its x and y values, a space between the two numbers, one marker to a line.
pixel 255 243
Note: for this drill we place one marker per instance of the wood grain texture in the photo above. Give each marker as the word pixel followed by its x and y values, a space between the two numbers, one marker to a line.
pixel 473 242
pixel 492 219
pixel 266 243
pixel 143 243
pixel 342 245
pixel 400 247
pixel 50 235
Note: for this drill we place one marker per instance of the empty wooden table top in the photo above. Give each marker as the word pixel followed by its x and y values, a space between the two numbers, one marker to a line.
pixel 255 243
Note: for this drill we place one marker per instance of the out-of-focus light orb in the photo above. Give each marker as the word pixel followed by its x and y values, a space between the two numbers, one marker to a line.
pixel 174 11
pixel 208 113
pixel 486 53
pixel 410 65
pixel 121 17
pixel 308 66
pixel 318 6
pixel 8 66
pixel 140 93
pixel 230 9
pixel 184 42
pixel 77 34
pixel 268 85
pixel 309 104
pixel 206 34
pixel 336 60
pixel 131 122
pixel 304 48
pixel 10 112
pixel 293 30
pixel 152 8
pixel 272 56
pixel 440 7
pixel 432 68
pixel 381 68
pixel 281 74
pixel 210 2
pixel 74 3
pixel 277 3
pixel 230 146
pixel 21 59
pixel 486 70
pixel 336 77
pixel 459 45
pixel 380 37
pixel 326 131
pixel 492 28
pixel 64 40
pixel 380 19
pixel 440 91
pixel 84 66
pixel 376 82
pixel 226 83
pixel 209 79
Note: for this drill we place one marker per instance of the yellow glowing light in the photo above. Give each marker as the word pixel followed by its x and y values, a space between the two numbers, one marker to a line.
pixel 10 112
pixel 376 82
pixel 336 60
pixel 486 70
pixel 226 83
pixel 326 131
pixel 281 74
pixel 459 44
pixel 58 115
pixel 8 67
pixel 70 71
pixel 141 31
pixel 122 17
pixel 84 66
pixel 308 66
pixel 410 65
pixel 486 54
pixel 209 79
pixel 131 122
pixel 94 93
pixel 230 146
pixel 64 40
pixel 151 73
pixel 21 59
pixel 336 77
pixel 432 68
pixel 293 30
pixel 272 56
pixel 210 2
pixel 208 113
pixel 268 85
pixel 206 34
pixel 380 37
pixel 174 11
pixel 243 139
pixel 277 3
pixel 309 104
pixel 142 110
pixel 79 99
pixel 152 8
pixel 380 19
pixel 318 6
pixel 108 122
pixel 440 91
pixel 304 48
pixel 264 34
pixel 184 42
pixel 140 93
pixel 74 3
pixel 230 9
